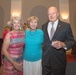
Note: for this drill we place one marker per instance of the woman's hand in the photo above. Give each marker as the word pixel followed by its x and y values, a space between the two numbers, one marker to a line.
pixel 17 66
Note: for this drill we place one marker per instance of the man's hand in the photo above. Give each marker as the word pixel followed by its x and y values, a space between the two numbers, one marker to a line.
pixel 58 44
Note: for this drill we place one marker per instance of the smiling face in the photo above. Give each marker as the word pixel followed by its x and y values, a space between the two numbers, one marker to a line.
pixel 33 24
pixel 53 14
pixel 16 25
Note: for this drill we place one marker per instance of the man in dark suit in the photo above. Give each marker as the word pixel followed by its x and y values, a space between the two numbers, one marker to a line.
pixel 55 44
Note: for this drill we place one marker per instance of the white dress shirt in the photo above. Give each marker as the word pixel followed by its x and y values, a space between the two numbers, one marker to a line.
pixel 50 26
pixel 55 27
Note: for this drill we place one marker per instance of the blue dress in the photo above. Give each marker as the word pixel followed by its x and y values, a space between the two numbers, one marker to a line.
pixel 33 45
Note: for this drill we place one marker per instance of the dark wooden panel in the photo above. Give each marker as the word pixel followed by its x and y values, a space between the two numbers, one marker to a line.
pixel 74 49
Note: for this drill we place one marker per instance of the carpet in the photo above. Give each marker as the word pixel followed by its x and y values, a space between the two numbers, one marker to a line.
pixel 71 64
pixel 71 68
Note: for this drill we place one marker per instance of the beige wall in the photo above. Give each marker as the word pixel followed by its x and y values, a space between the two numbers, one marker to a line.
pixel 64 10
pixel 16 6
pixel 5 6
pixel 72 11
pixel 29 7
pixel 37 8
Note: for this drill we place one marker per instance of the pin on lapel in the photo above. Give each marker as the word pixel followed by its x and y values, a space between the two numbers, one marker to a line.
pixel 59 25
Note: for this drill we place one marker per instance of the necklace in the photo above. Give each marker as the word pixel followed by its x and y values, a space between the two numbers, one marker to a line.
pixel 32 33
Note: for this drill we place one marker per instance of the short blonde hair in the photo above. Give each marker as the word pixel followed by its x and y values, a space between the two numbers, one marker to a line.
pixel 31 19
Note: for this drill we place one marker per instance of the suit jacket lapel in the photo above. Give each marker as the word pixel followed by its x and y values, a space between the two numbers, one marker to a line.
pixel 57 30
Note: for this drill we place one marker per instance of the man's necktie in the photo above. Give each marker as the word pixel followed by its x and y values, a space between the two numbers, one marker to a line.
pixel 52 31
